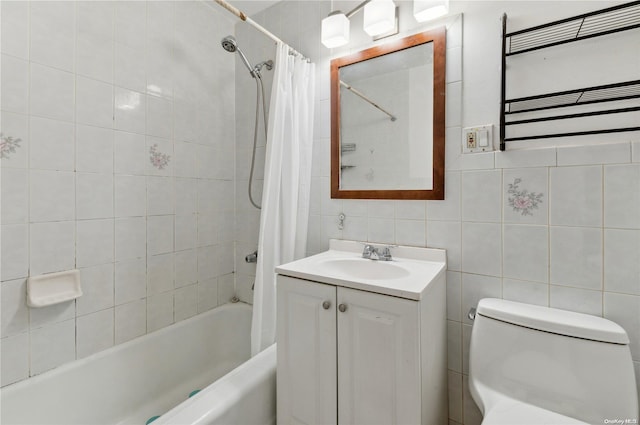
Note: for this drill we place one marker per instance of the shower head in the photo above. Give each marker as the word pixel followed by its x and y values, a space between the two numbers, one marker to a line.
pixel 230 44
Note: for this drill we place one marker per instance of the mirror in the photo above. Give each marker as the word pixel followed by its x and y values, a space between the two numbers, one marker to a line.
pixel 387 120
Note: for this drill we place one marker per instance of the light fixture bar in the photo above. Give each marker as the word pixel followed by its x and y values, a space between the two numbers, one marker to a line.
pixel 357 8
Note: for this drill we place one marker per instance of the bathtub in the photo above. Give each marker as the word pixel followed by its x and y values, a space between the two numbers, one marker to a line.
pixel 153 375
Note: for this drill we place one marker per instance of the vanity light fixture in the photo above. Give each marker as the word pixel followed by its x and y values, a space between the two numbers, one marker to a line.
pixel 426 10
pixel 379 18
pixel 335 30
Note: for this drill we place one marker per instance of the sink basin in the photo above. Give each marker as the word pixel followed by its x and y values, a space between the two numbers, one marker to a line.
pixel 364 268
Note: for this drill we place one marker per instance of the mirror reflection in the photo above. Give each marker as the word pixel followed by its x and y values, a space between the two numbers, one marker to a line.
pixel 385 140
pixel 388 120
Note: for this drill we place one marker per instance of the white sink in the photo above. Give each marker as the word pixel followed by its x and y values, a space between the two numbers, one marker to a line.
pixel 364 269
pixel 408 275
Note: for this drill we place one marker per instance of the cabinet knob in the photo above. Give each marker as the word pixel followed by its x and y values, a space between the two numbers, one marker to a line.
pixel 342 308
pixel 326 305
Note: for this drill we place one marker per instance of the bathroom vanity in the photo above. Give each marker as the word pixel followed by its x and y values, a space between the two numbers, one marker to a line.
pixel 362 341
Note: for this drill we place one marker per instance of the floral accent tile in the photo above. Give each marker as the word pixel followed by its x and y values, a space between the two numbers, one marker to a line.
pixel 8 145
pixel 158 159
pixel 523 201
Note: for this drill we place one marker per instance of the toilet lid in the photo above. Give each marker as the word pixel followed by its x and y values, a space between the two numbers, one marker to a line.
pixel 512 412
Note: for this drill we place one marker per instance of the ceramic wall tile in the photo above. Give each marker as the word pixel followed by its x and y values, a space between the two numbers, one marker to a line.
pixel 622 261
pixel 52 196
pixel 208 294
pixel 52 345
pixel 94 195
pixel 186 268
pixel 130 111
pixel 94 242
pixel 525 292
pixel 15 251
pixel 15 84
pixel 131 23
pixel 542 157
pixel 159 122
pixel 160 272
pixel 15 132
pixel 159 311
pixel 575 197
pixel 130 238
pixel 160 234
pixel 130 67
pixel 454 384
pixel 51 247
pixel 15 195
pixel 576 257
pixel 51 93
pixel 482 248
pixel 94 102
pixel 411 232
pixel 130 321
pixel 160 195
pixel 15 353
pixel 622 196
pixel 576 299
pixel 130 196
pixel 94 149
pixel 476 287
pixel 526 252
pixel 52 144
pixel 15 315
pixel 454 346
pixel 481 195
pixel 95 332
pixel 97 289
pixel 449 208
pixel 623 309
pixel 606 153
pixel 129 153
pixel 53 34
pixel 526 195
pixel 186 302
pixel 130 281
pixel 446 235
pixel 95 40
pixel 14 30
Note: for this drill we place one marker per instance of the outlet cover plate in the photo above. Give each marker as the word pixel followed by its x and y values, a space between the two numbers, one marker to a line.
pixel 475 134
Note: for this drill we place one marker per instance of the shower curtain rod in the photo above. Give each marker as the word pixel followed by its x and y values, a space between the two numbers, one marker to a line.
pixel 257 26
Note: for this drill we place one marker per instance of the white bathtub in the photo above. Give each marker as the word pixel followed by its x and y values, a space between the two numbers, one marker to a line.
pixel 132 382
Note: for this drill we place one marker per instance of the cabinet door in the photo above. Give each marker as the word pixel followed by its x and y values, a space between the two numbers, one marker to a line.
pixel 378 359
pixel 306 336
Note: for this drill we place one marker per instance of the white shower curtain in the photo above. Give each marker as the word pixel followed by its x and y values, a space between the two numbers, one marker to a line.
pixel 287 178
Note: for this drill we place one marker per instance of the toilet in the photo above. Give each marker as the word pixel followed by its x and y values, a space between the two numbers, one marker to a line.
pixel 536 365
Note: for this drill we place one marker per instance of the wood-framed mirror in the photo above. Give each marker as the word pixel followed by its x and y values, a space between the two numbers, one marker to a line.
pixel 388 120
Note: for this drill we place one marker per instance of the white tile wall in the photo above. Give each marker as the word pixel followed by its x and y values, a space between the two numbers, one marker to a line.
pixel 88 89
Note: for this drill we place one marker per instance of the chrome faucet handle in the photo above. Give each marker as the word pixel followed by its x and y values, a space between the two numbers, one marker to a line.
pixel 368 250
pixel 385 254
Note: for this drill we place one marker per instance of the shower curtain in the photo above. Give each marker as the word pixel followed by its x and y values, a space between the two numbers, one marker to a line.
pixel 287 178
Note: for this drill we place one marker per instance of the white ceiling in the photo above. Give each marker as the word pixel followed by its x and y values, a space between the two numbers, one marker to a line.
pixel 251 7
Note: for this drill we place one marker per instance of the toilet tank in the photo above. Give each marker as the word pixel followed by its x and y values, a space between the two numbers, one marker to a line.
pixel 570 363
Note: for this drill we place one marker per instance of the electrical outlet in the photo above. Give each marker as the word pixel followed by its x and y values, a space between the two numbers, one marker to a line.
pixel 471 140
pixel 477 139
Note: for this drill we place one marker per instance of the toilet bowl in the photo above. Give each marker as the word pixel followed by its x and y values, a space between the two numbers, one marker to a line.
pixel 533 365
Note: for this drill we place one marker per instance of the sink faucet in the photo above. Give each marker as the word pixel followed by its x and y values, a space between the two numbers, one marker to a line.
pixel 373 253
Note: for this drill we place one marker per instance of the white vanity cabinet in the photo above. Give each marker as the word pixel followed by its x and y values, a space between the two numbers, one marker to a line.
pixel 359 355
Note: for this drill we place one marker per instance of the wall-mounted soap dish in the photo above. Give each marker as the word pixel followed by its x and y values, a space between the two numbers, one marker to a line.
pixel 53 288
